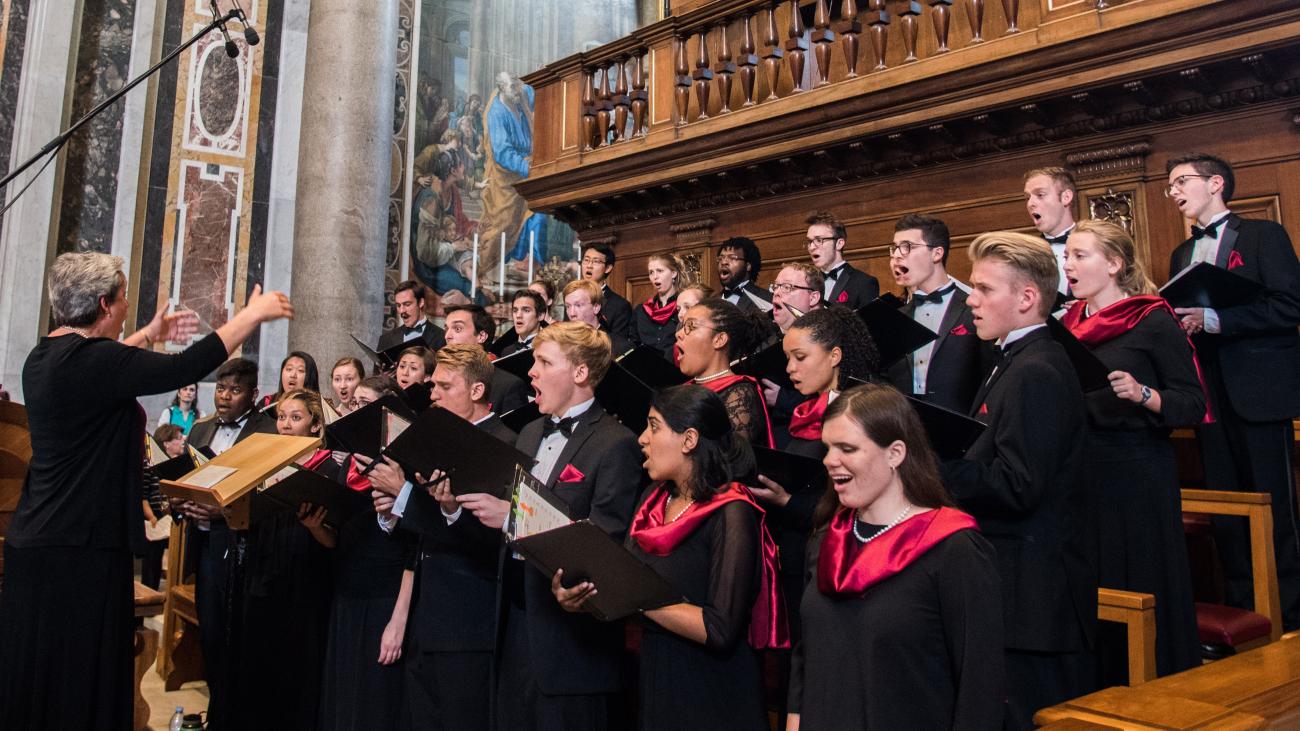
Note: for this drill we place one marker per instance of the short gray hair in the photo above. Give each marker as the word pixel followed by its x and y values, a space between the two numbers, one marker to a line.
pixel 76 283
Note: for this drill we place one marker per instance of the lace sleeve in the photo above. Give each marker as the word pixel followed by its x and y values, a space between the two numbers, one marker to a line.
pixel 745 409
pixel 734 576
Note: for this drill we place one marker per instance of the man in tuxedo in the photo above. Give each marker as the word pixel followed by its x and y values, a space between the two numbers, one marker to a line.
pixel 526 309
pixel 448 668
pixel 1049 196
pixel 844 284
pixel 949 370
pixel 583 302
pixel 556 669
pixel 409 297
pixel 1250 355
pixel 209 541
pixel 597 264
pixel 471 324
pixel 1020 479
pixel 800 286
pixel 739 262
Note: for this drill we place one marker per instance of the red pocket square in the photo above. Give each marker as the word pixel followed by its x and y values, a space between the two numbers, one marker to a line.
pixel 959 330
pixel 571 474
pixel 844 297
pixel 984 410
pixel 1234 260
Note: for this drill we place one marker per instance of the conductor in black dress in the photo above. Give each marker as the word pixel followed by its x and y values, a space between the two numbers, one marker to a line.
pixel 1021 479
pixel 67 610
pixel 844 284
pixel 410 299
pixel 1251 356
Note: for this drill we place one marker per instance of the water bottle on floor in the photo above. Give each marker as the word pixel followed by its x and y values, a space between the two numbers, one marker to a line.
pixel 177 718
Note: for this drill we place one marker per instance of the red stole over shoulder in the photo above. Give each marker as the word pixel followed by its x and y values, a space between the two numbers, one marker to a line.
pixel 806 421
pixel 355 479
pixel 846 567
pixel 1120 317
pixel 767 626
pixel 722 383
pixel 660 313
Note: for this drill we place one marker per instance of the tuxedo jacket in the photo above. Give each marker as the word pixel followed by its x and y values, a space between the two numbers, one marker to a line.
pixel 751 297
pixel 854 288
pixel 507 392
pixel 259 422
pixel 432 337
pixel 1258 349
pixel 617 313
pixel 457 578
pixel 572 653
pixel 959 360
pixel 1021 480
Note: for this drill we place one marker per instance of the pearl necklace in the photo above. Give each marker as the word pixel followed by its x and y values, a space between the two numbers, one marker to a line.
pixel 713 376
pixel 689 502
pixel 867 539
pixel 78 331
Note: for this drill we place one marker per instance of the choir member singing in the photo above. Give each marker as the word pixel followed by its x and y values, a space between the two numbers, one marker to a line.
pixel 597 265
pixel 656 318
pixel 796 291
pixel 546 290
pixel 344 377
pixel 184 409
pixel 844 284
pixel 710 337
pixel 1250 445
pixel 526 311
pixel 699 528
pixel 1049 197
pixel 692 294
pixel 902 613
pixel 1022 478
pixel 584 302
pixel 297 371
pixel 739 262
pixel 471 324
pixel 414 365
pixel 1154 387
pixel 67 610
pixel 413 326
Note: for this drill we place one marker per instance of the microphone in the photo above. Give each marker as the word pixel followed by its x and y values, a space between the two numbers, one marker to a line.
pixel 231 49
pixel 250 34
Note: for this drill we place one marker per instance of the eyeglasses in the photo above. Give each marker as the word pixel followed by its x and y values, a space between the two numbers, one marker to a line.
pixel 730 257
pixel 820 240
pixel 786 288
pixel 690 326
pixel 903 248
pixel 598 261
pixel 1180 181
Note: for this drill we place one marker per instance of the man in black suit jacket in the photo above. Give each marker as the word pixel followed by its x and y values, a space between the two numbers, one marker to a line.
pixel 739 263
pixel 209 541
pixel 556 669
pixel 472 324
pixel 448 667
pixel 409 297
pixel 583 302
pixel 1250 355
pixel 597 264
pixel 844 285
pixel 948 371
pixel 1021 481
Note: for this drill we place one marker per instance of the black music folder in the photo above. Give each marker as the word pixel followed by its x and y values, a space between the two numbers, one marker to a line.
pixel 624 584
pixel 370 428
pixel 1205 285
pixel 951 433
pixel 768 362
pixel 895 334
pixel 1092 373
pixel 521 417
pixel 175 468
pixel 418 396
pixel 341 502
pixel 651 367
pixel 474 460
pixel 795 472
pixel 384 360
pixel 626 390
pixel 517 364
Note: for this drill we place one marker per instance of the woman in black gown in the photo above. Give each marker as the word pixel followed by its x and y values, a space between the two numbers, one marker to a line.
pixel 66 609
pixel 712 335
pixel 701 530
pixel 1155 387
pixel 902 611
pixel 655 321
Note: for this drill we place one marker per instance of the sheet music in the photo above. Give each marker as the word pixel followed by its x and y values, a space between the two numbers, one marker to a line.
pixel 394 425
pixel 331 414
pixel 210 475
pixel 531 512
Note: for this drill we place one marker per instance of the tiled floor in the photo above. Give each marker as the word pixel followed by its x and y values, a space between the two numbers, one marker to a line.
pixel 192 696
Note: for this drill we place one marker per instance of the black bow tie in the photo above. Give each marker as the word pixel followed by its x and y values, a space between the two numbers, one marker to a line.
pixel 834 274
pixel 738 291
pixel 1209 231
pixel 564 426
pixel 1057 240
pixel 935 297
pixel 408 330
pixel 237 423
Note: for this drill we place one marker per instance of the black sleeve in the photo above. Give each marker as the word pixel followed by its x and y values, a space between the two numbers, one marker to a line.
pixel 1182 401
pixel 745 410
pixel 140 372
pixel 794 699
pixel 423 515
pixel 1279 306
pixel 734 557
pixel 970 609
pixel 616 486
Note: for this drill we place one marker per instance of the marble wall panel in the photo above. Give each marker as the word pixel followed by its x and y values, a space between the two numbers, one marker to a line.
pixel 13 33
pixel 207 225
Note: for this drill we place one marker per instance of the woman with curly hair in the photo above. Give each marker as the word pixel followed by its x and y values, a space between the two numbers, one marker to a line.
pixel 711 336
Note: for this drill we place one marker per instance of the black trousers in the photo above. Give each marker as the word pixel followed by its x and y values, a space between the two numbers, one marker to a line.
pixel 448 691
pixel 211 602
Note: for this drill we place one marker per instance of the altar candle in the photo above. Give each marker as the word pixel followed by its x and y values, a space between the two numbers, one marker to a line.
pixel 473 272
pixel 532 244
pixel 501 280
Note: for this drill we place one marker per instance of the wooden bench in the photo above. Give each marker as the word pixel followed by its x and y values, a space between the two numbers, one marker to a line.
pixel 180 653
pixel 148 603
pixel 1137 612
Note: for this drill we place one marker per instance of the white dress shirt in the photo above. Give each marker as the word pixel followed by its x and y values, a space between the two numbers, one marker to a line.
pixel 1206 249
pixel 929 314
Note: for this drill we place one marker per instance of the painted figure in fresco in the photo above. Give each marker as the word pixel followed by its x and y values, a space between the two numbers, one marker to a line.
pixel 470 128
pixel 443 232
pixel 509 145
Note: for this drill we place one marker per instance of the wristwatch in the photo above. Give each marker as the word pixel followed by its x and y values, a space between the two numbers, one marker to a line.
pixel 1146 395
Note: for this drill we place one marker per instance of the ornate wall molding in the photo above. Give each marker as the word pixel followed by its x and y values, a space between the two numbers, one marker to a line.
pixel 1121 159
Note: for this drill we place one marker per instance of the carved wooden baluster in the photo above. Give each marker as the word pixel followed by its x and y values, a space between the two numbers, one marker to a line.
pixel 640 98
pixel 822 38
pixel 747 62
pixel 589 108
pixel 939 14
pixel 1011 8
pixel 724 67
pixel 909 15
pixel 849 28
pixel 878 19
pixel 702 75
pixel 621 101
pixel 772 51
pixel 976 18
pixel 796 45
pixel 682 84
pixel 603 107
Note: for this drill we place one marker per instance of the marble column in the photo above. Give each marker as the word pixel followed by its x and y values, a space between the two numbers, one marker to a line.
pixel 344 168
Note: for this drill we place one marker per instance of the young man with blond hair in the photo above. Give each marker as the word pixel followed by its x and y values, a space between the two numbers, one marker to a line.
pixel 584 301
pixel 1049 197
pixel 1020 479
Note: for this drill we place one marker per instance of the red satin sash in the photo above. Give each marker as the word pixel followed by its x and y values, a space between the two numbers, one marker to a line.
pixel 355 479
pixel 660 313
pixel 722 383
pixel 1120 317
pixel 316 459
pixel 806 421
pixel 768 626
pixel 846 567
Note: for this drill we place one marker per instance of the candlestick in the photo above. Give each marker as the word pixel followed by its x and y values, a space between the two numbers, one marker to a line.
pixel 532 244
pixel 473 271
pixel 501 280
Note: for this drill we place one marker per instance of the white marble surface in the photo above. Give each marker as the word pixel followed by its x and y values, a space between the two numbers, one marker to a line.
pixel 133 123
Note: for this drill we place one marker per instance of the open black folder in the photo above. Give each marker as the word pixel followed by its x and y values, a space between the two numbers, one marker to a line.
pixel 521 417
pixel 370 428
pixel 1093 374
pixel 474 460
pixel 341 502
pixel 624 584
pixel 518 364
pixel 630 384
pixel 768 362
pixel 894 333
pixel 1205 285
pixel 951 433
pixel 795 472
pixel 384 360
pixel 175 468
